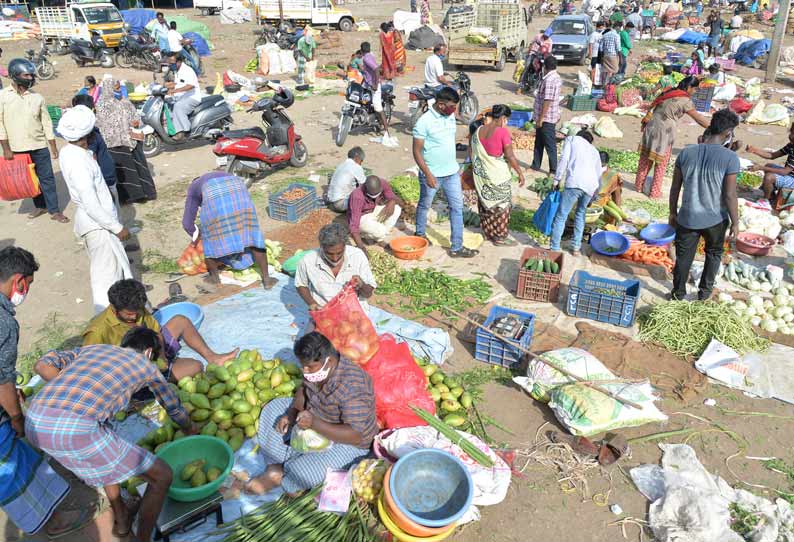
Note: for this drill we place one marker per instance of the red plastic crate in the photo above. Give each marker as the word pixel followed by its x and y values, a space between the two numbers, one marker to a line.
pixel 535 285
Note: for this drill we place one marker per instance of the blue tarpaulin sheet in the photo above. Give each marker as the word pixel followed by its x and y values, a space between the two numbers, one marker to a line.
pixel 751 50
pixel 198 42
pixel 692 37
pixel 137 18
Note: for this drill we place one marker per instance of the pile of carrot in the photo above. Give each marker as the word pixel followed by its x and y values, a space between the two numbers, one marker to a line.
pixel 648 255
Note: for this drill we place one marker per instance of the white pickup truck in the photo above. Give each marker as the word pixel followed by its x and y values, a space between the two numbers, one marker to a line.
pixel 77 20
pixel 303 12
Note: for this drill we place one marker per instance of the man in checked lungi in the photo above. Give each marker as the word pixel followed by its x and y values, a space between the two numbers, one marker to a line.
pixel 228 227
pixel 68 419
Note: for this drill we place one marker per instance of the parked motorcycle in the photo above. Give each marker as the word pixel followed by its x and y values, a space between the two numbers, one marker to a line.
pixel 420 99
pixel 44 68
pixel 358 110
pixel 212 113
pixel 135 51
pixel 284 36
pixel 94 51
pixel 251 152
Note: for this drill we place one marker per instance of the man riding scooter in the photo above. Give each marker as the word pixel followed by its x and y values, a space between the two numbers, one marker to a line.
pixel 185 88
pixel 533 66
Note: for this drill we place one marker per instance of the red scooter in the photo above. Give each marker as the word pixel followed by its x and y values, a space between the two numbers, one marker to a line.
pixel 251 152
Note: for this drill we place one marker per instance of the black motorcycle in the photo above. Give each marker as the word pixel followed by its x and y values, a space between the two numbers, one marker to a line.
pixel 359 111
pixel 284 36
pixel 136 51
pixel 44 68
pixel 420 98
pixel 91 52
pixel 532 74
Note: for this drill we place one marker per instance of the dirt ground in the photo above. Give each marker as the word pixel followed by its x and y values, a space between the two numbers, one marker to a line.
pixel 60 301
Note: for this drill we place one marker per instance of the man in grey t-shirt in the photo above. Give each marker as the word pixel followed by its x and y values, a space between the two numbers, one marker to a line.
pixel 707 173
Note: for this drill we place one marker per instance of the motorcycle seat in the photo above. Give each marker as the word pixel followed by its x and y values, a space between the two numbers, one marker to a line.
pixel 255 132
pixel 207 102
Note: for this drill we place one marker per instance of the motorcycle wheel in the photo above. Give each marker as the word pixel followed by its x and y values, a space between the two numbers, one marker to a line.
pixel 45 70
pixel 152 145
pixel 124 60
pixel 418 112
pixel 300 154
pixel 469 106
pixel 235 168
pixel 106 61
pixel 149 62
pixel 345 124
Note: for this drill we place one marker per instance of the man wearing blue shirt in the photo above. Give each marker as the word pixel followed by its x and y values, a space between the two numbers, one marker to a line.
pixel 434 153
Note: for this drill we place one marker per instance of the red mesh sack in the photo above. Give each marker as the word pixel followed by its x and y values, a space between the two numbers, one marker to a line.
pixel 610 94
pixel 18 178
pixel 399 382
pixel 604 105
pixel 191 262
pixel 347 326
pixel 740 106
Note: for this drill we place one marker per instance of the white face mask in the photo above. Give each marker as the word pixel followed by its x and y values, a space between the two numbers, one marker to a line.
pixel 17 298
pixel 318 376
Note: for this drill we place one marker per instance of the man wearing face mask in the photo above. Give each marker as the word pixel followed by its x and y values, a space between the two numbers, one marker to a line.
pixel 372 211
pixel 185 88
pixel 434 68
pixel 322 273
pixel 68 420
pixel 24 476
pixel 336 401
pixel 96 220
pixel 707 173
pixel 26 128
pixel 435 154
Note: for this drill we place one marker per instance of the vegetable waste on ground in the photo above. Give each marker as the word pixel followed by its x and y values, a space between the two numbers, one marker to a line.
pixel 685 328
pixel 429 290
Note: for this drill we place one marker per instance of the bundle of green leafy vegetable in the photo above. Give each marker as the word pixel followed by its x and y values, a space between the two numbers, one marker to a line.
pixel 749 180
pixel 406 187
pixel 429 290
pixel 628 161
pixel 521 221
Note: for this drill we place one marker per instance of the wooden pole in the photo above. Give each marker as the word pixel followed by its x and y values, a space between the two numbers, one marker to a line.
pixel 281 11
pixel 777 41
pixel 558 369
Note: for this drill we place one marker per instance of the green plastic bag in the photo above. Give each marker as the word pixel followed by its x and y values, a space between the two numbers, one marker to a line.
pixel 291 265
pixel 169 124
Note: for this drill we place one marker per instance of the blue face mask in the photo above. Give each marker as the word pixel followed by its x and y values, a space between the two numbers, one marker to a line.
pixel 442 57
pixel 173 66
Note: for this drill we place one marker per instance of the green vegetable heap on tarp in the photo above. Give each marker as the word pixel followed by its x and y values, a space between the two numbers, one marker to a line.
pixel 406 187
pixel 429 290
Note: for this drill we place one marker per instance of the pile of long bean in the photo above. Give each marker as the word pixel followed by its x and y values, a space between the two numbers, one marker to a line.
pixel 685 328
pixel 298 520
pixel 384 265
pixel 429 290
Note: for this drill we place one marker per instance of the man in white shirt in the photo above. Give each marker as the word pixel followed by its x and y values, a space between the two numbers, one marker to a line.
pixel 580 169
pixel 736 20
pixel 593 46
pixel 185 88
pixel 95 218
pixel 347 177
pixel 160 31
pixel 434 68
pixel 174 39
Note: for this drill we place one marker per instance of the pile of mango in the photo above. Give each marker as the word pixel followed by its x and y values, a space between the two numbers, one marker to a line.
pixel 452 401
pixel 225 401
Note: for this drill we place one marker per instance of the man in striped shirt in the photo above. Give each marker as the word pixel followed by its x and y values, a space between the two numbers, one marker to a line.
pixel 68 418
pixel 610 53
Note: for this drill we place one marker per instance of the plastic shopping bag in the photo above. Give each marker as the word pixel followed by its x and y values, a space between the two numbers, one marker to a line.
pixel 399 382
pixel 545 214
pixel 18 178
pixel 347 326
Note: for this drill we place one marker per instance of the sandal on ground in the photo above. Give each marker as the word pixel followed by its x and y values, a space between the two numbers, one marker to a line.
pixel 504 242
pixel 613 447
pixel 86 516
pixel 37 213
pixel 580 445
pixel 59 217
pixel 463 253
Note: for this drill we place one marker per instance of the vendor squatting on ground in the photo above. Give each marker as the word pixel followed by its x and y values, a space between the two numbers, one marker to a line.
pixel 127 355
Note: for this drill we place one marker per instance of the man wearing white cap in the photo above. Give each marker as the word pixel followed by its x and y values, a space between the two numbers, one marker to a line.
pixel 95 218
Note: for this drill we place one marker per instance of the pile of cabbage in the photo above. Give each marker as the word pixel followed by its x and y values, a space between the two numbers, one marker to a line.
pixel 775 315
pixel 758 221
pixel 786 219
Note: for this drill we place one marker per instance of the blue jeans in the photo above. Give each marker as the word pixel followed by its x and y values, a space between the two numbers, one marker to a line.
pixel 454 193
pixel 570 197
pixel 48 199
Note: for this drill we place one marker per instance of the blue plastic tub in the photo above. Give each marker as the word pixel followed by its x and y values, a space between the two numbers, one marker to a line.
pixel 519 118
pixel 609 243
pixel 432 487
pixel 602 299
pixel 189 310
pixel 494 350
pixel 658 234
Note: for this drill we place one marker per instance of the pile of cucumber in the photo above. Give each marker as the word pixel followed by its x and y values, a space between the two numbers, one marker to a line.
pixel 612 209
pixel 542 265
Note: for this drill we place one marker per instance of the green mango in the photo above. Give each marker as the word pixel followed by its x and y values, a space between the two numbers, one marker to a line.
pixel 266 395
pixel 213 473
pixel 243 419
pixel 199 401
pixel 255 412
pixel 178 434
pixel 465 400
pixel 202 386
pixel 456 392
pixel 216 390
pixel 190 469
pixel 250 396
pixel 210 429
pixel 437 378
pixel 227 402
pixel 286 387
pixel 235 442
pixel 190 387
pixel 198 479
pixel 199 415
pixel 221 415
pixel 222 434
pixel 250 431
pixel 231 384
pixel 225 424
pixel 241 407
pixel 183 382
pixel 222 374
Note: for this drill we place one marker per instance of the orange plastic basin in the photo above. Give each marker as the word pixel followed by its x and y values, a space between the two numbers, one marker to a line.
pixel 409 247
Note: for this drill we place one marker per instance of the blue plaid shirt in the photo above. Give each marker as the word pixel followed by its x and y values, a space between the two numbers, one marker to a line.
pixel 9 337
pixel 610 43
pixel 347 396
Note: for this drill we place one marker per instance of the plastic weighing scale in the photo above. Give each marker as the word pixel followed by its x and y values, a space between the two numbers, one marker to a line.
pixel 180 517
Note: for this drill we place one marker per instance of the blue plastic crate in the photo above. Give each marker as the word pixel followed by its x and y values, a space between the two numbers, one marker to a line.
pixel 292 211
pixel 519 118
pixel 496 351
pixel 584 302
pixel 597 93
pixel 674 58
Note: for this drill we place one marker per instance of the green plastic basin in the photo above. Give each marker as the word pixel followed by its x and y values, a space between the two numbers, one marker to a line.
pixel 186 450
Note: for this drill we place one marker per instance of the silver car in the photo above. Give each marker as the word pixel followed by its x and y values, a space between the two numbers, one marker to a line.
pixel 570 37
